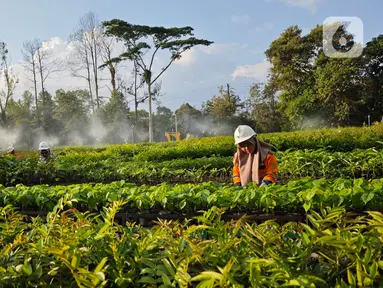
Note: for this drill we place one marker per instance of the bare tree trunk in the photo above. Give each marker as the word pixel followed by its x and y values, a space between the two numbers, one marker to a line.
pixel 135 91
pixel 10 81
pixel 89 35
pixel 79 61
pixel 35 84
pixel 107 45
pixel 46 67
pixel 30 48
pixel 150 113
pixel 112 71
pixel 41 69
pixel 95 68
pixel 42 92
pixel 88 78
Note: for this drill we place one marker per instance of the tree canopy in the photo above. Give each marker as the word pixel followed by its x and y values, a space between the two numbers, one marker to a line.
pixel 139 40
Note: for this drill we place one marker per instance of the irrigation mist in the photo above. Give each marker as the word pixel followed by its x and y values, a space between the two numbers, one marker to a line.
pixel 94 132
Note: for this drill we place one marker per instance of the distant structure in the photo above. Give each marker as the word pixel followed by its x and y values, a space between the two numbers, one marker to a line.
pixel 173 136
pixel 191 136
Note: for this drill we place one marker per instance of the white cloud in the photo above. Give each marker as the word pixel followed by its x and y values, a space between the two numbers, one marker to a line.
pixel 62 50
pixel 311 5
pixel 257 71
pixel 56 44
pixel 240 19
pixel 188 58
pixel 216 48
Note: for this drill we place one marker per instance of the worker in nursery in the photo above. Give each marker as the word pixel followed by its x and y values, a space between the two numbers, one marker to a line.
pixel 45 153
pixel 11 151
pixel 254 160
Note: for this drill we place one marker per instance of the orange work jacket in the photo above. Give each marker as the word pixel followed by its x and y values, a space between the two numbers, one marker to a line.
pixel 267 170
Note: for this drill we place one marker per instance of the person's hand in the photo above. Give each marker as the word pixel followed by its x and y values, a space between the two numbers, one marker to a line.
pixel 265 182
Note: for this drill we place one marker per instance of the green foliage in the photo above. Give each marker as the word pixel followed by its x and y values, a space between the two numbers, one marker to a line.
pixel 72 108
pixel 339 87
pixel 321 90
pixel 205 159
pixel 116 110
pixel 162 38
pixel 163 122
pixel 262 107
pixel 294 197
pixel 8 86
pixel 141 40
pixel 224 105
pixel 373 59
pixel 72 249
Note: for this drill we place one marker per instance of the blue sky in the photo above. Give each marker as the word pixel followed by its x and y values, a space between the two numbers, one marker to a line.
pixel 241 30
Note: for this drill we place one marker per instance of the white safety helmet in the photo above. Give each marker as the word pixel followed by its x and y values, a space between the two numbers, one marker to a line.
pixel 44 146
pixel 243 133
pixel 10 149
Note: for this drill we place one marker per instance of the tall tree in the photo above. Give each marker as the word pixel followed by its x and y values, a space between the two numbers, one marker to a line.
pixel 10 81
pixel 116 117
pixel 106 51
pixel 88 42
pixel 175 40
pixel 46 64
pixel 21 109
pixel 339 90
pixel 224 105
pixel 189 119
pixel 29 52
pixel 141 126
pixel 222 113
pixel 290 56
pixel 262 107
pixel 133 89
pixel 163 122
pixel 79 61
pixel 373 77
pixel 294 59
pixel 314 88
pixel 50 125
pixel 71 108
pixel 20 118
pixel 90 27
pixel 116 110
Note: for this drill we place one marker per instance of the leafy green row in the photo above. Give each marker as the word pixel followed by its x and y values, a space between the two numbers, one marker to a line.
pixel 296 196
pixel 292 165
pixel 342 139
pixel 335 250
pixel 339 140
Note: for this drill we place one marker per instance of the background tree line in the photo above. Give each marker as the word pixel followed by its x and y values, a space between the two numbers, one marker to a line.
pixel 304 89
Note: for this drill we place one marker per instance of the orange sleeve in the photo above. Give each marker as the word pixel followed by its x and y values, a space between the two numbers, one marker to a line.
pixel 271 168
pixel 236 174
